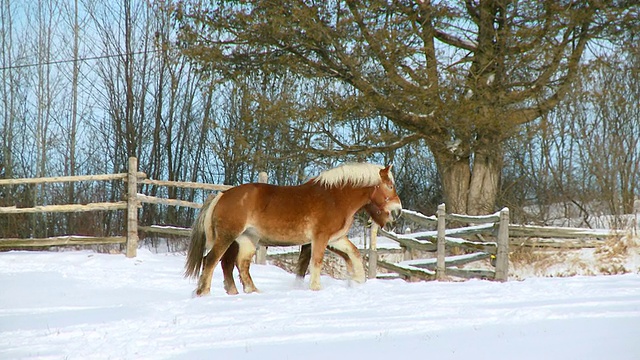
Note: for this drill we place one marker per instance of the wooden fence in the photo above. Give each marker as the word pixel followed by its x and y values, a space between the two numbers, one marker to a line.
pixel 497 225
pixel 133 202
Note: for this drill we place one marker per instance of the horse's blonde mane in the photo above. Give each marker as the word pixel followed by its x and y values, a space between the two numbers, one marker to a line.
pixel 354 174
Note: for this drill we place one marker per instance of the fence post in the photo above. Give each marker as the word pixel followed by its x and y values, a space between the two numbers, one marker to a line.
pixel 502 253
pixel 132 208
pixel 407 254
pixel 440 245
pixel 261 253
pixel 373 251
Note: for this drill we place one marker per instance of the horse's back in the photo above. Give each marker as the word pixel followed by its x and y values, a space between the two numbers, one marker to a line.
pixel 264 196
pixel 281 214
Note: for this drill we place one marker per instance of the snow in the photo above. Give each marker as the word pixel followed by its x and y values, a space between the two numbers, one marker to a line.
pixel 80 305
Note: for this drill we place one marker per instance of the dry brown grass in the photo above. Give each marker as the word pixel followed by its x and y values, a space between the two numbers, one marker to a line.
pixel 539 260
pixel 611 257
pixel 333 265
pixel 613 253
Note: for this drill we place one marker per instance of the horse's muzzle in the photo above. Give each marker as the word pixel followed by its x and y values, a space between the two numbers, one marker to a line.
pixel 395 214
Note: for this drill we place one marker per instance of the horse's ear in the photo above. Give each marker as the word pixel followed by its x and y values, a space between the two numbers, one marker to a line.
pixel 384 173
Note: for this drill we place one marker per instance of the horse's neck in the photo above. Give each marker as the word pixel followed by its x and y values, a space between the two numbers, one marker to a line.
pixel 352 198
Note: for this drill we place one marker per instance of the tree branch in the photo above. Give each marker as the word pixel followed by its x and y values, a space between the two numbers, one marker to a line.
pixel 365 150
pixel 529 114
pixel 381 56
pixel 456 41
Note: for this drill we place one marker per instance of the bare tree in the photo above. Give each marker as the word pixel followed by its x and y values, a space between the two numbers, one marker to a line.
pixel 609 132
pixel 583 159
pixel 8 88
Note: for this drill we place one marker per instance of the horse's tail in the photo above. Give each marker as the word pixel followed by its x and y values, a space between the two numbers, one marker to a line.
pixel 199 234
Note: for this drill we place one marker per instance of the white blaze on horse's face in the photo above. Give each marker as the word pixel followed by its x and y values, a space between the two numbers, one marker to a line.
pixel 396 210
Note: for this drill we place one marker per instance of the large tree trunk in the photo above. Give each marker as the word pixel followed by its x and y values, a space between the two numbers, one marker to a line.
pixel 455 175
pixel 485 182
pixel 470 183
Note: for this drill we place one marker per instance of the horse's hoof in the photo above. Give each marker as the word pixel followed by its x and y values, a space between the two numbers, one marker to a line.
pixel 232 292
pixel 315 287
pixel 251 290
pixel 200 293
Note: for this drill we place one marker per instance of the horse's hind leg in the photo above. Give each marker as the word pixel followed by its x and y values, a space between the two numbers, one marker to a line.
pixel 303 261
pixel 220 246
pixel 351 255
pixel 204 284
pixel 243 261
pixel 228 261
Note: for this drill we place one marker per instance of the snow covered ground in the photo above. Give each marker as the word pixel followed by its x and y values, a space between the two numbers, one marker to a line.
pixel 83 305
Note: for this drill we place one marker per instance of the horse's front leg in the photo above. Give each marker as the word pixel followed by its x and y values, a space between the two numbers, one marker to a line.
pixel 317 255
pixel 349 252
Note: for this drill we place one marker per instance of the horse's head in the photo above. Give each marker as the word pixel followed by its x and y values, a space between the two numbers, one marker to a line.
pixel 384 205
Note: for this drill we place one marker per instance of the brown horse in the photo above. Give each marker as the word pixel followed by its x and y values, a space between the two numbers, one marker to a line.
pixel 318 212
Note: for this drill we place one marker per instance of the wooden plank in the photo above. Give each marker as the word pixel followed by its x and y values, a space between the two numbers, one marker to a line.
pixel 441 242
pixel 449 261
pixel 556 243
pixel 408 271
pixel 186 184
pixel 372 262
pixel 464 231
pixel 559 232
pixel 261 251
pixel 422 245
pixel 373 251
pixel 170 230
pixel 61 241
pixel 425 245
pixel 120 205
pixel 419 218
pixel 132 208
pixel 43 180
pixel 472 230
pixel 480 219
pixel 488 247
pixel 173 202
pixel 502 253
pixel 471 273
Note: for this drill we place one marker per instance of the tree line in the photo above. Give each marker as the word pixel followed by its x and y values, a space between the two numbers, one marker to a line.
pixel 479 104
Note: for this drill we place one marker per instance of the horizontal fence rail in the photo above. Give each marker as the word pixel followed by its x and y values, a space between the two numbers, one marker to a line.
pixel 58 179
pixel 119 205
pixel 62 241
